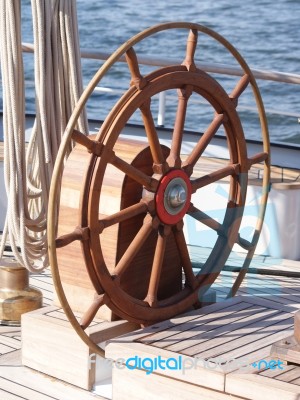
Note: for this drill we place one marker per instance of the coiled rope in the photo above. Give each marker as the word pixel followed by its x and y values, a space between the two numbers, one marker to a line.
pixel 58 84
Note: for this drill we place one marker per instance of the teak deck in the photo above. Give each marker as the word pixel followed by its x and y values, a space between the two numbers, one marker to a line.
pixel 246 326
pixel 242 329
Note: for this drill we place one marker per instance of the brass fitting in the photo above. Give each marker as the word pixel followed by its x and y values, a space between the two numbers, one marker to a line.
pixel 16 296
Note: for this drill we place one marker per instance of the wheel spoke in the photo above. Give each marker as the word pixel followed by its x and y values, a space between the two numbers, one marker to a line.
pixel 245 244
pixel 151 297
pixel 123 215
pixel 205 219
pixel 89 315
pixel 231 169
pixel 79 233
pixel 136 78
pixel 216 226
pixel 150 183
pixel 198 150
pixel 155 147
pixel 191 280
pixel 257 158
pixel 91 145
pixel 183 97
pixel 239 89
pixel 190 50
pixel 134 247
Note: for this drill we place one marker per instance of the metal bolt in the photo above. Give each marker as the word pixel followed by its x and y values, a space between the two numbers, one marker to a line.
pixel 177 196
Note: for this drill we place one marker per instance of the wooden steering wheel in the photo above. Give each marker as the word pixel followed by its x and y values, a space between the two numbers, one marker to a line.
pixel 151 277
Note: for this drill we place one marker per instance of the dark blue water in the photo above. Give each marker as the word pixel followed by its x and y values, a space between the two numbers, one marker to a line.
pixel 266 33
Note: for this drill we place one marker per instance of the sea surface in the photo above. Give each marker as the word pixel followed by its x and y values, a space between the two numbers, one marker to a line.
pixel 265 32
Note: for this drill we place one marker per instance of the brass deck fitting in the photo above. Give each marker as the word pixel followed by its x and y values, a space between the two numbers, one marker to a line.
pixel 16 296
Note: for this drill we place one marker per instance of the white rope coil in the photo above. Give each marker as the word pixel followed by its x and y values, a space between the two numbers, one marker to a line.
pixel 58 85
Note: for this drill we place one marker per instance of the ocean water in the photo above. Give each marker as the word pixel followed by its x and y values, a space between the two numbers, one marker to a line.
pixel 266 33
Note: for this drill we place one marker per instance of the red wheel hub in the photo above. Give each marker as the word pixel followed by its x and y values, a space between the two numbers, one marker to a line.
pixel 173 197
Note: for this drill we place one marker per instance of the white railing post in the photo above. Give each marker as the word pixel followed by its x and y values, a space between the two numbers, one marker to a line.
pixel 161 109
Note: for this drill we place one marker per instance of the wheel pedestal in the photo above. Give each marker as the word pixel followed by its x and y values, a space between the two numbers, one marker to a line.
pixel 119 192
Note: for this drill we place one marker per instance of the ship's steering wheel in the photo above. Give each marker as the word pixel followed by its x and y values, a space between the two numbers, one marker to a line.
pixel 167 185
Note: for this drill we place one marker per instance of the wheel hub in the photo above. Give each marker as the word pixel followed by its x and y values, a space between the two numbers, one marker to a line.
pixel 173 197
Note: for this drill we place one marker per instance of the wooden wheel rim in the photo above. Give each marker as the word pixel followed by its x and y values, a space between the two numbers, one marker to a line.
pixel 55 186
pixel 121 301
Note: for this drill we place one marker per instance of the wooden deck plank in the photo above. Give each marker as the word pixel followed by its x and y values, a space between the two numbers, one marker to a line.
pixel 217 329
pixel 260 280
pixel 276 286
pixel 47 292
pixel 9 396
pixel 14 344
pixel 260 265
pixel 256 288
pixel 47 302
pixel 15 336
pixel 154 387
pixel 5 329
pixel 58 313
pixel 273 373
pixel 274 293
pixel 289 374
pixel 288 300
pixel 248 349
pixel 296 382
pixel 5 349
pixel 255 282
pixel 23 391
pixel 236 340
pixel 256 387
pixel 33 385
pixel 187 317
pixel 202 324
pixel 12 358
pixel 43 282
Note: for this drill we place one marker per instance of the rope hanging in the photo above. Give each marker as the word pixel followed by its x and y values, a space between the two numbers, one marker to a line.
pixel 58 85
